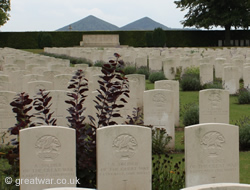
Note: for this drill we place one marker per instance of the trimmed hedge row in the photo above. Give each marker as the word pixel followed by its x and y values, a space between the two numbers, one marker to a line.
pixel 174 38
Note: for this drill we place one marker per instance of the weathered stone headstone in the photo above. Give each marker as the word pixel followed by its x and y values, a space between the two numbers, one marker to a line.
pixel 5 84
pixel 33 87
pixel 211 154
pixel 61 81
pixel 141 62
pixel 7 117
pixel 158 110
pixel 218 66
pixel 169 68
pixel 120 150
pixel 47 157
pixel 59 107
pixel 214 106
pixel 220 186
pixel 231 79
pixel 155 63
pixel 246 76
pixel 139 87
pixel 174 86
pixel 69 188
pixel 206 73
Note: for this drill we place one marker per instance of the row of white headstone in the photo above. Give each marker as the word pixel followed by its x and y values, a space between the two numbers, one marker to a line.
pixel 160 106
pixel 124 156
pixel 229 64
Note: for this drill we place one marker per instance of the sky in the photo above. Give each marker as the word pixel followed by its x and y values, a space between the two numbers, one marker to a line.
pixel 50 15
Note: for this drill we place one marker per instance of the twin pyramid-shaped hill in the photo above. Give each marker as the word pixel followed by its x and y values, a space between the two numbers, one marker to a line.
pixel 92 23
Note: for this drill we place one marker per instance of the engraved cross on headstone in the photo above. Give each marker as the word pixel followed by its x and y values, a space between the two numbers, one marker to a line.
pixel 125 184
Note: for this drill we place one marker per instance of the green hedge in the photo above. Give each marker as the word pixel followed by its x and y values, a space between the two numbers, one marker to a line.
pixel 174 38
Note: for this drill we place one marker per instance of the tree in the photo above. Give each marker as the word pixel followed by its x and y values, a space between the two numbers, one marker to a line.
pixel 4 9
pixel 223 13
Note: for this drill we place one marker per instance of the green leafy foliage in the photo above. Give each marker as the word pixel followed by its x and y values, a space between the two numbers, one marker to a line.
pixel 244 132
pixel 136 118
pixel 244 96
pixel 244 137
pixel 160 140
pixel 4 11
pixel 206 13
pixel 190 80
pixel 144 71
pixel 190 113
pixel 167 174
pixel 155 76
pixel 129 70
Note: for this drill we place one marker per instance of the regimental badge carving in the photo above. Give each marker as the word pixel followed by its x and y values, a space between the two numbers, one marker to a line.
pixel 167 86
pixel 213 142
pixel 125 146
pixel 48 147
pixel 160 98
pixel 215 100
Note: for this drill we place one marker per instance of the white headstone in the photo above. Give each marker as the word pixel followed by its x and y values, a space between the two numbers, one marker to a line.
pixel 214 106
pixel 61 81
pixel 206 73
pixel 169 68
pixel 7 117
pixel 120 150
pixel 141 62
pixel 211 154
pixel 174 86
pixel 48 154
pixel 246 76
pixel 155 63
pixel 231 79
pixel 220 186
pixel 139 87
pixel 158 111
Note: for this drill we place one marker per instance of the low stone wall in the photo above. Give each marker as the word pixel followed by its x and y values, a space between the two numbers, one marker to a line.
pixel 100 40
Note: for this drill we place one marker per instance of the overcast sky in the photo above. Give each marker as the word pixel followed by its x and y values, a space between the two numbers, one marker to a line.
pixel 50 15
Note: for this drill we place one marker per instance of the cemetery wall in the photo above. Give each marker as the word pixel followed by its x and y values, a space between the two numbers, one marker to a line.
pixel 175 38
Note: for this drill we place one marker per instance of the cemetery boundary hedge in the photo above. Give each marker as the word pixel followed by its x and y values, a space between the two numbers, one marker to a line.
pixel 175 38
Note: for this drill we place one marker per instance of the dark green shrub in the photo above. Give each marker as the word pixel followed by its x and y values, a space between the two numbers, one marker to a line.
pixel 159 37
pixel 244 132
pixel 190 80
pixel 149 39
pixel 44 40
pixel 143 71
pixel 190 83
pixel 155 76
pixel 99 63
pixel 194 71
pixel 244 137
pixel 191 114
pixel 244 96
pixel 213 85
pixel 129 70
